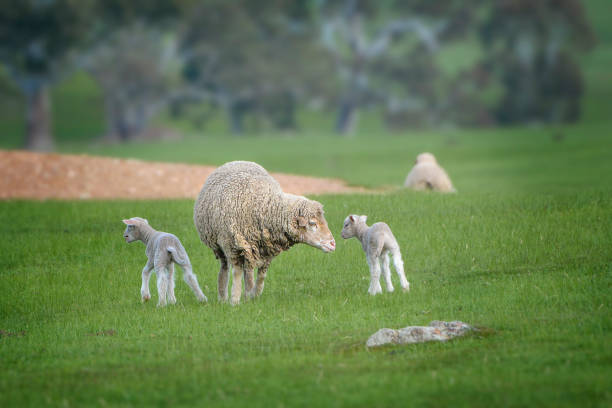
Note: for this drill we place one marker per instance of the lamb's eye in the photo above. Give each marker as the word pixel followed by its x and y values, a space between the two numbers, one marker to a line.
pixel 312 223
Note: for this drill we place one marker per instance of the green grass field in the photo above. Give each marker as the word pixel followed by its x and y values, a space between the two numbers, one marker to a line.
pixel 533 270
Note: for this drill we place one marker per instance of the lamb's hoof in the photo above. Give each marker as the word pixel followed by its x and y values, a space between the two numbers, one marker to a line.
pixel 406 289
pixel 146 298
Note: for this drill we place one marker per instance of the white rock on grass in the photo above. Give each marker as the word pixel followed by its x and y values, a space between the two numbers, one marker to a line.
pixel 436 331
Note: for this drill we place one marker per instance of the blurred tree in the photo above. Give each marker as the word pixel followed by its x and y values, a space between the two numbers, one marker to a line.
pixel 138 70
pixel 254 58
pixel 36 37
pixel 530 47
pixel 384 52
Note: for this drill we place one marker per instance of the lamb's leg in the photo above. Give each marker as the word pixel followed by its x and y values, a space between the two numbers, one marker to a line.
pixel 144 288
pixel 261 277
pixel 162 284
pixel 171 298
pixel 223 279
pixel 374 275
pixel 399 268
pixel 384 260
pixel 192 281
pixel 249 283
pixel 236 284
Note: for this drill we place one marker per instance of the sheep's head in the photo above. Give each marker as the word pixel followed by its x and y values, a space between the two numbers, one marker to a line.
pixel 351 224
pixel 313 229
pixel 425 158
pixel 132 231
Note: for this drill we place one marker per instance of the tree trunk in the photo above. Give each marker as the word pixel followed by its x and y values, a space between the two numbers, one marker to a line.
pixel 347 117
pixel 38 119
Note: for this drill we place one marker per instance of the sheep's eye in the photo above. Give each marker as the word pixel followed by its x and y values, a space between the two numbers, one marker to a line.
pixel 312 223
pixel 130 227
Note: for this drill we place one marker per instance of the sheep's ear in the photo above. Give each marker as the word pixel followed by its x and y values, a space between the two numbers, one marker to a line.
pixel 129 222
pixel 301 221
pixel 146 222
pixel 352 218
pixel 363 218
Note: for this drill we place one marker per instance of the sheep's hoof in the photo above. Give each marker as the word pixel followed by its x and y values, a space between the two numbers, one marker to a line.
pixel 146 298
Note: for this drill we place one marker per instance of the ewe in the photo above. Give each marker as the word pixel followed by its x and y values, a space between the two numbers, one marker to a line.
pixel 163 250
pixel 246 219
pixel 377 241
pixel 428 175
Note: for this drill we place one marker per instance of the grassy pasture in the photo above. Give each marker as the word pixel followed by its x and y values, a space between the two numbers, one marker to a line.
pixel 533 269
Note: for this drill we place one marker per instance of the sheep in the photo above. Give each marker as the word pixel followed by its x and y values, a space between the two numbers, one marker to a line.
pixel 243 215
pixel 377 241
pixel 428 175
pixel 163 250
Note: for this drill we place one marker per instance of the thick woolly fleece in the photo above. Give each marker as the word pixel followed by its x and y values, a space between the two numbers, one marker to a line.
pixel 243 215
pixel 428 175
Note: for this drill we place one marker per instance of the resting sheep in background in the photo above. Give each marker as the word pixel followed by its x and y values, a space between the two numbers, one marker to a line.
pixel 377 241
pixel 163 250
pixel 246 219
pixel 428 175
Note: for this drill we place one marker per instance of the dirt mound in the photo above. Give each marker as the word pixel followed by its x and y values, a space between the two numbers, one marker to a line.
pixel 43 176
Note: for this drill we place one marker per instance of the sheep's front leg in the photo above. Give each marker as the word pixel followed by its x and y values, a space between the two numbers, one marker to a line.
pixel 236 284
pixel 386 271
pixel 162 285
pixel 249 283
pixel 261 277
pixel 171 298
pixel 375 287
pixel 144 288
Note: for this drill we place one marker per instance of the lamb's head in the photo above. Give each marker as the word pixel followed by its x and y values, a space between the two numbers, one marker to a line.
pixel 312 227
pixel 352 224
pixel 132 231
pixel 425 158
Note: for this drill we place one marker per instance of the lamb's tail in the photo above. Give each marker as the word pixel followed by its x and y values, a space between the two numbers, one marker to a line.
pixel 176 256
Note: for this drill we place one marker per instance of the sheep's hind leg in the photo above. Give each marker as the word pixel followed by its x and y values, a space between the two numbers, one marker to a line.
pixel 191 280
pixel 399 268
pixel 236 284
pixel 374 276
pixel 171 297
pixel 162 285
pixel 384 260
pixel 223 279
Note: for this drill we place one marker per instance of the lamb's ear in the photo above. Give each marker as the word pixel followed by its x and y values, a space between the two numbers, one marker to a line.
pixel 363 218
pixel 301 221
pixel 146 222
pixel 129 222
pixel 352 218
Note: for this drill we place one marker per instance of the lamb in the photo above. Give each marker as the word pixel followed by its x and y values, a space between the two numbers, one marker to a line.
pixel 428 175
pixel 243 215
pixel 377 241
pixel 163 250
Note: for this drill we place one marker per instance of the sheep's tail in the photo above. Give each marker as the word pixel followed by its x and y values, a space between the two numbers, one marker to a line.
pixel 176 256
